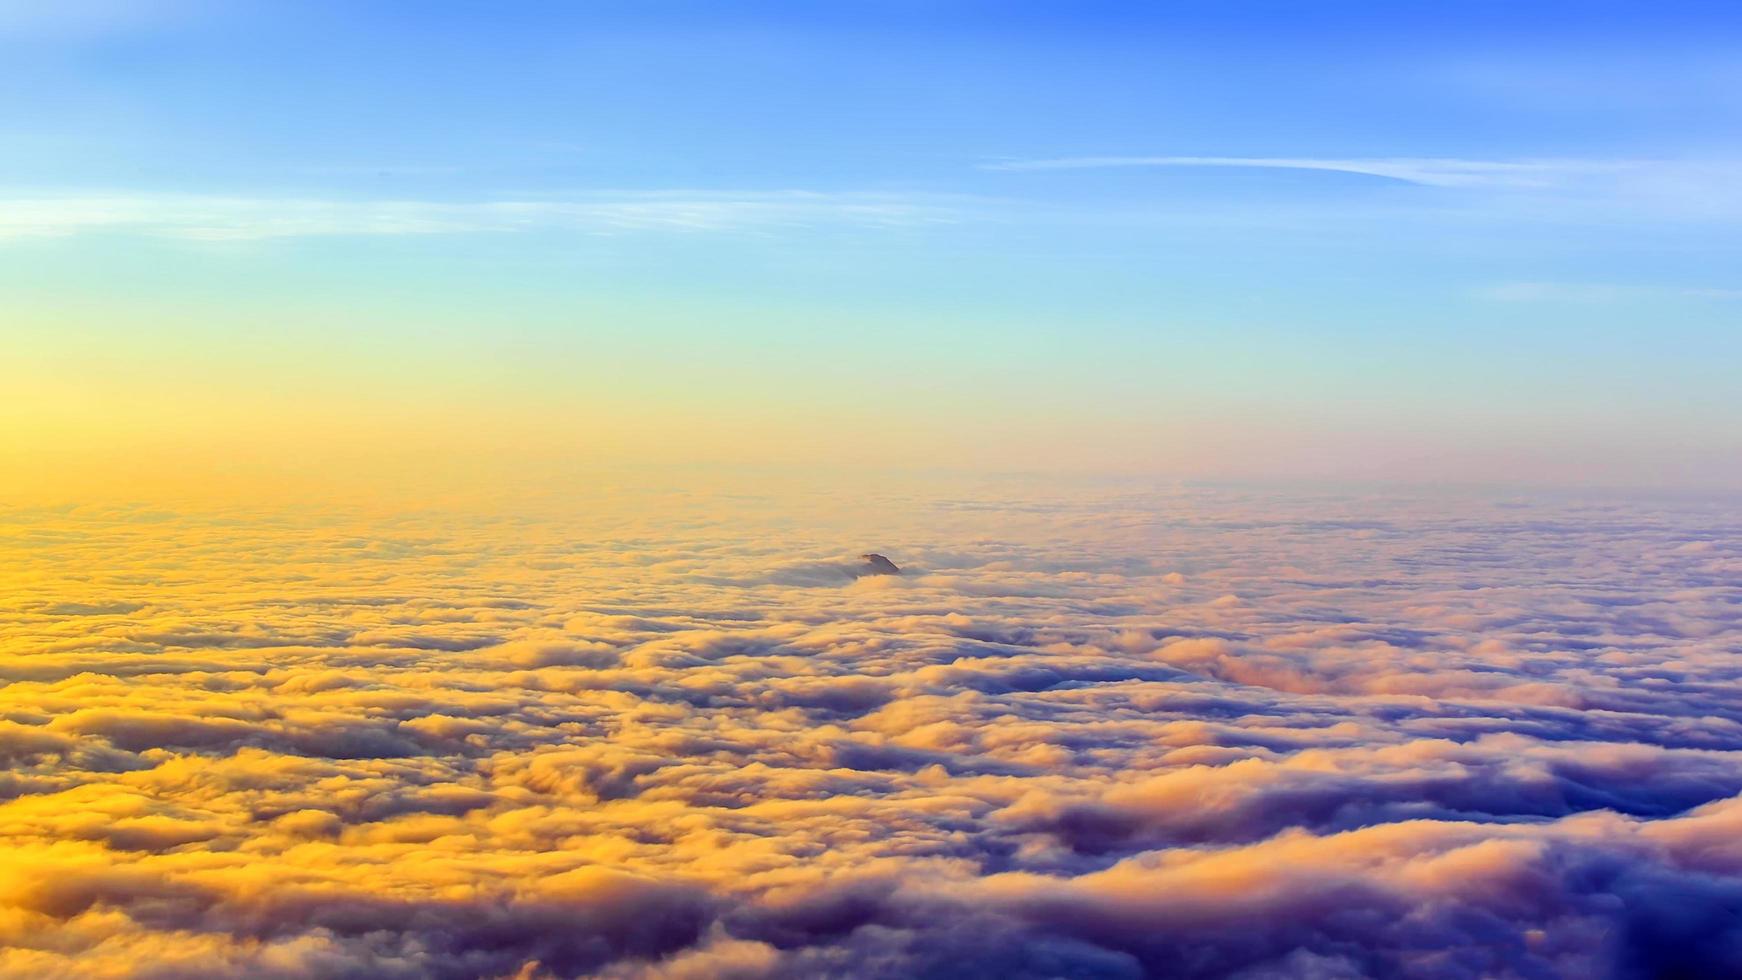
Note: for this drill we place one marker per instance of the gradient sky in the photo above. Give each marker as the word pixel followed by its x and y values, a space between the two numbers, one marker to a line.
pixel 1476 242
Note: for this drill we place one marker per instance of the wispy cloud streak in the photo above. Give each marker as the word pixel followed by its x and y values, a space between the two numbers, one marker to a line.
pixel 1427 171
pixel 232 218
pixel 1561 190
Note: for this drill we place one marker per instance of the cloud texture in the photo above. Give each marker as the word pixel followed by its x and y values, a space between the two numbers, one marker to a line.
pixel 1102 733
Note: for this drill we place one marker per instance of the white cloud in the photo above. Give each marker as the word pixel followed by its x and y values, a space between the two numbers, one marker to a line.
pixel 221 218
pixel 1559 190
pixel 1427 171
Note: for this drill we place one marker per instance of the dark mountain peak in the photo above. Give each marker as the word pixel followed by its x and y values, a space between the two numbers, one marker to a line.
pixel 879 565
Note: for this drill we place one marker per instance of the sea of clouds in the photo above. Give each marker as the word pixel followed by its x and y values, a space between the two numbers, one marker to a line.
pixel 1095 731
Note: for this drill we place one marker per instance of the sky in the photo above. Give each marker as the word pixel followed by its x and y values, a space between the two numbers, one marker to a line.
pixel 660 491
pixel 1474 243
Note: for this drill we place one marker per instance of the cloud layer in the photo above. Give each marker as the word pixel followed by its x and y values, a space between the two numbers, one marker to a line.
pixel 1089 733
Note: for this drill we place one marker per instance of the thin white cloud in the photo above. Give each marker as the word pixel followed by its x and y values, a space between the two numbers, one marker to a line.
pixel 1700 190
pixel 220 218
pixel 1426 171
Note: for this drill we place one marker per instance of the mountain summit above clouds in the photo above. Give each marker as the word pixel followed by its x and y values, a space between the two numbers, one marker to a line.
pixel 879 565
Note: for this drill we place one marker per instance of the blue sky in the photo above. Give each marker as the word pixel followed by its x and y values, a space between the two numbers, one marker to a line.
pixel 1409 225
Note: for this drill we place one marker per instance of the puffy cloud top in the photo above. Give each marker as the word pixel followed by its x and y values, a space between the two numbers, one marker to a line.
pixel 1087 733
